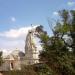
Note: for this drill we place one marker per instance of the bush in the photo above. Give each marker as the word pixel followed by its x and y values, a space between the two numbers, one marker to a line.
pixel 43 69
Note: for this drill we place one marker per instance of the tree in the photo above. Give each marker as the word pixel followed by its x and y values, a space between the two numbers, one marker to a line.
pixel 56 51
pixel 67 26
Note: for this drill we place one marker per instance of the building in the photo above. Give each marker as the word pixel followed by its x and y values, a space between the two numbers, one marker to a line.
pixel 31 52
pixel 15 59
pixel 12 61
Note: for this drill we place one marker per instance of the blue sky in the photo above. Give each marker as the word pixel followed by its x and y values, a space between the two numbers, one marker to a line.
pixel 16 14
pixel 28 12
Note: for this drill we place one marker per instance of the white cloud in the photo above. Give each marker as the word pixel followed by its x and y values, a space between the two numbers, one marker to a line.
pixel 71 3
pixel 13 19
pixel 14 38
pixel 55 13
pixel 16 33
pixel 10 45
pixel 74 9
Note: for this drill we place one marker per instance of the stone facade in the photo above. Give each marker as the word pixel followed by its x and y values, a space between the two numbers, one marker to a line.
pixel 17 58
pixel 31 53
pixel 12 61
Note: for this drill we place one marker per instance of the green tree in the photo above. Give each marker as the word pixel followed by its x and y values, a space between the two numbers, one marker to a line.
pixel 56 50
pixel 67 26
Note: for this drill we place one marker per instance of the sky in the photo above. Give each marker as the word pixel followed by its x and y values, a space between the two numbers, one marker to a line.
pixel 16 17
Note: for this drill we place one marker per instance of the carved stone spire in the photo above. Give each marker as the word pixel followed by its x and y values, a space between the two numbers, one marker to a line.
pixel 31 56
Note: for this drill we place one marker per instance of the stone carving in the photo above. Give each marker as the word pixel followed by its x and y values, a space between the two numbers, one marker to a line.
pixel 31 54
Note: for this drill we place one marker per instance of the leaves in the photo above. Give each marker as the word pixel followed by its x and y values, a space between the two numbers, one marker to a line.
pixel 55 50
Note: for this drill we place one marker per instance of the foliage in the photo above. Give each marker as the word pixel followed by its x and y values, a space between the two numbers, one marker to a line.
pixel 67 26
pixel 55 51
pixel 26 70
pixel 43 69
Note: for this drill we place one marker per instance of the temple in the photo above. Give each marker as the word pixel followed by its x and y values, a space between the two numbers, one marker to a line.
pixel 31 52
pixel 17 58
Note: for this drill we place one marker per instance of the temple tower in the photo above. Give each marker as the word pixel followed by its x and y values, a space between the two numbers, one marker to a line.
pixel 31 52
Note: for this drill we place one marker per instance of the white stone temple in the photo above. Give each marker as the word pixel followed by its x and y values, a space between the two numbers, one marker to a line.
pixel 18 58
pixel 31 52
pixel 12 61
